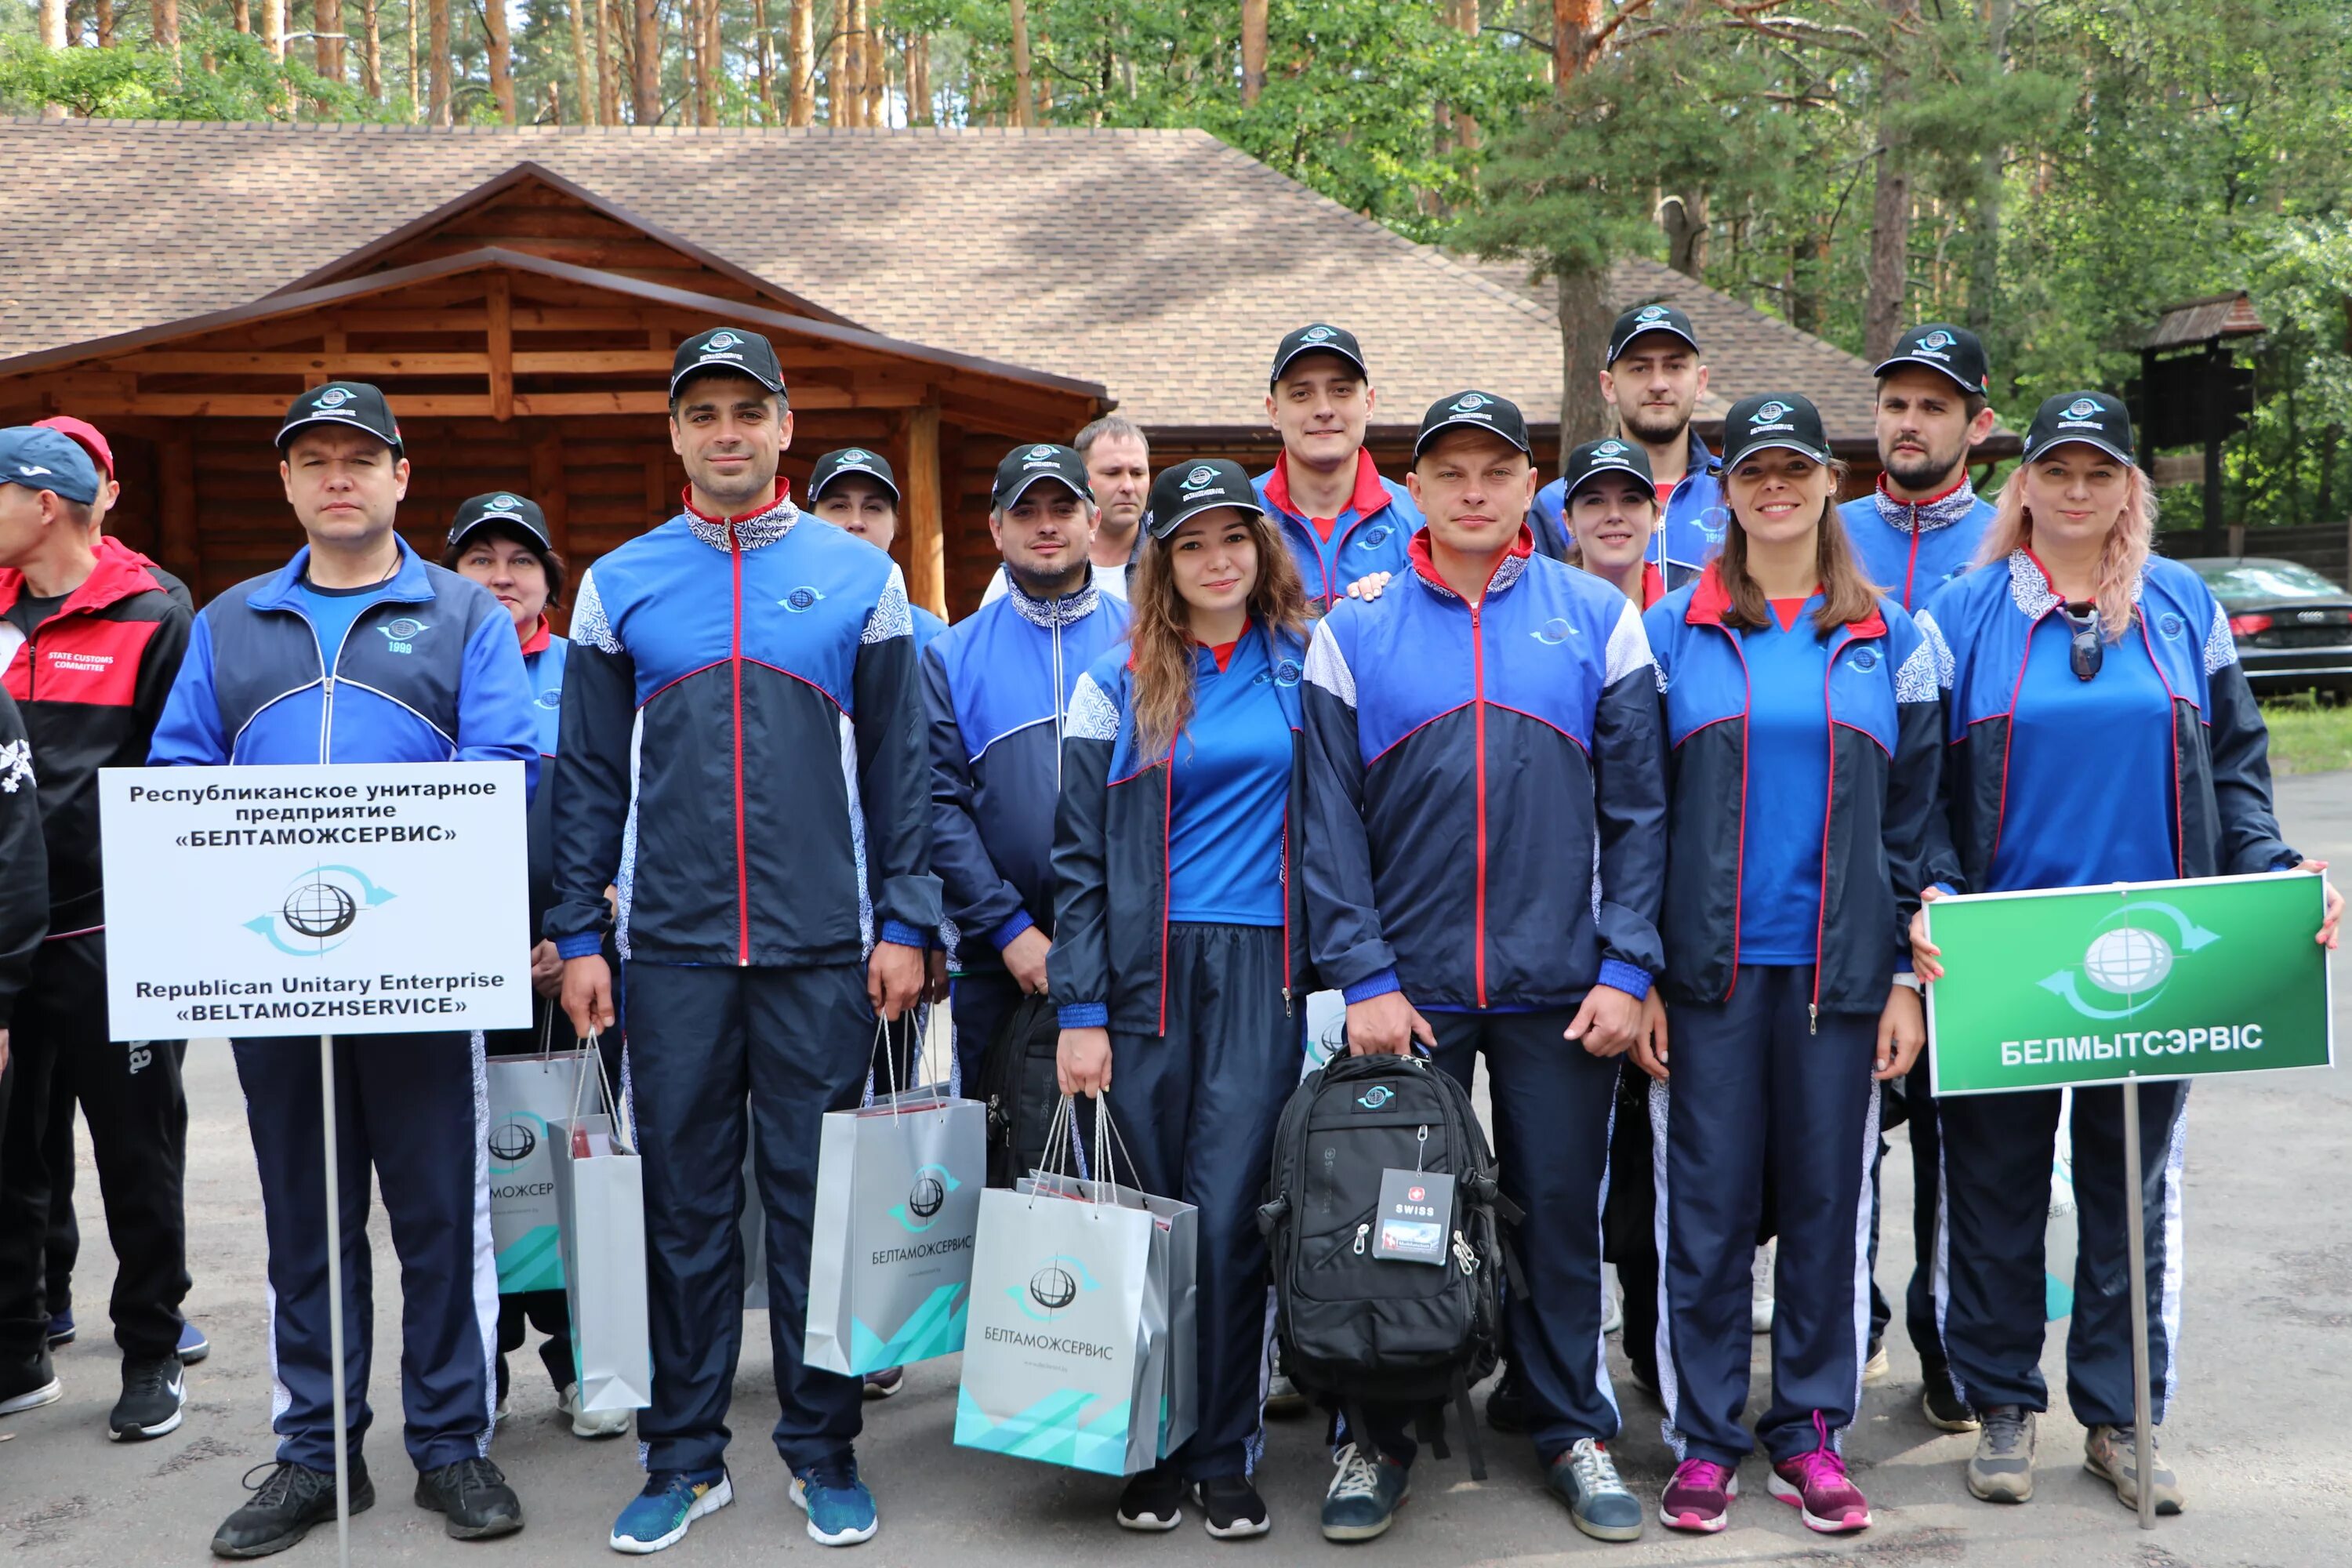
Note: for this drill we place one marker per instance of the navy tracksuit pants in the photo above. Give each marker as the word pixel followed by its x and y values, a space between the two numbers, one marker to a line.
pixel 704 1042
pixel 1195 1110
pixel 1920 1295
pixel 1758 1093
pixel 980 999
pixel 416 1108
pixel 1990 1296
pixel 1553 1102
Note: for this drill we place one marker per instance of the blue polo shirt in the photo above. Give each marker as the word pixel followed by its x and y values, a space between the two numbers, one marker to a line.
pixel 1229 788
pixel 1787 787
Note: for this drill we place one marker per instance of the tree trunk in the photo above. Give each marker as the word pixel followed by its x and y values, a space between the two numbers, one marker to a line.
pixel 240 16
pixel 1021 82
pixel 1683 217
pixel 436 58
pixel 416 82
pixel 917 71
pixel 1984 261
pixel 800 58
pixel 499 43
pixel 838 109
pixel 327 23
pixel 584 84
pixel 1890 204
pixel 166 22
pixel 877 69
pixel 648 62
pixel 1584 318
pixel 608 79
pixel 371 50
pixel 102 21
pixel 1807 260
pixel 1573 25
pixel 273 27
pixel 1253 50
pixel 853 63
pixel 1464 128
pixel 764 62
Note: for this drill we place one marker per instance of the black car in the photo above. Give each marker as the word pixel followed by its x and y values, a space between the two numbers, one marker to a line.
pixel 2293 627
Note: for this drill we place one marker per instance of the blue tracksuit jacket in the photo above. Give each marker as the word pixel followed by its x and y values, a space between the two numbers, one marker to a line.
pixel 1369 535
pixel 1910 550
pixel 1690 536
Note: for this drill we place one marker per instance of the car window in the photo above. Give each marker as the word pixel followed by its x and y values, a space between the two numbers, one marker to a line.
pixel 2265 580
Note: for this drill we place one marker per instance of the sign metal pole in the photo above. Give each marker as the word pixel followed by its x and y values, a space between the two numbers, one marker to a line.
pixel 2136 1220
pixel 335 1302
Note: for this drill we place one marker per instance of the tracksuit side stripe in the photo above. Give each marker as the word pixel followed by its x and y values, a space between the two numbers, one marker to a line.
pixel 485 1253
pixel 1943 1274
pixel 2174 1239
pixel 1861 1228
pixel 1601 1238
pixel 281 1398
pixel 1669 1385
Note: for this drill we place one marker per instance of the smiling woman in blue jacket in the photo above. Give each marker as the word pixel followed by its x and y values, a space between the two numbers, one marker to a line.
pixel 1177 939
pixel 1801 711
pixel 2100 730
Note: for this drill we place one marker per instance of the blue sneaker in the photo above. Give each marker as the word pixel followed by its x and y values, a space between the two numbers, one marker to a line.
pixel 657 1517
pixel 1585 1477
pixel 840 1509
pixel 61 1331
pixel 1364 1495
pixel 194 1346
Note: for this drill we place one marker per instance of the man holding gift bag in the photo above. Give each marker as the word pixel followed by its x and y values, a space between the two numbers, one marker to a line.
pixel 778 898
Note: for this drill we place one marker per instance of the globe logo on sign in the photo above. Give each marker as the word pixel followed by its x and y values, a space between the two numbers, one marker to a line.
pixel 2128 960
pixel 511 1143
pixel 320 911
pixel 1053 1287
pixel 2081 408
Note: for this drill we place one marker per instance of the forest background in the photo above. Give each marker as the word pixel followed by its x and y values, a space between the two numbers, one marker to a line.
pixel 2048 173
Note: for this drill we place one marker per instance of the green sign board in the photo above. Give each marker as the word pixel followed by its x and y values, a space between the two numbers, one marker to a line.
pixel 2150 980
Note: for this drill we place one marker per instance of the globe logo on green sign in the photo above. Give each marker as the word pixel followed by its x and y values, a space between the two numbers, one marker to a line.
pixel 2132 962
pixel 2128 960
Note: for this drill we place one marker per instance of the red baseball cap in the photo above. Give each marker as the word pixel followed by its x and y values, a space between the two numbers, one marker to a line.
pixel 87 436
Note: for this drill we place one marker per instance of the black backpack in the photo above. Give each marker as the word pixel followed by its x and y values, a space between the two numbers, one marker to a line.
pixel 1019 1086
pixel 1355 1327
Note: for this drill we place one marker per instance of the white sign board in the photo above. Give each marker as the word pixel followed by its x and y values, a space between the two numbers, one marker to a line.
pixel 358 898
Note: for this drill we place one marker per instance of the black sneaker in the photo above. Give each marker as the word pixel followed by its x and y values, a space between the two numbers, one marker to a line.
pixel 152 1394
pixel 284 1507
pixel 1152 1501
pixel 474 1496
pixel 1942 1404
pixel 1507 1406
pixel 1231 1508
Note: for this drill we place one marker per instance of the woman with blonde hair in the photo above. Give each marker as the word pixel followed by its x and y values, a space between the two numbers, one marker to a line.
pixel 2100 730
pixel 1179 937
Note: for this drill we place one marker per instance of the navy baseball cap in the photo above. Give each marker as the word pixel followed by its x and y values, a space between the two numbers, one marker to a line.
pixel 41 458
pixel 1649 319
pixel 354 405
pixel 1318 338
pixel 2095 419
pixel 1771 419
pixel 1188 490
pixel 1955 350
pixel 500 507
pixel 1475 411
pixel 853 460
pixel 732 349
pixel 1610 457
pixel 1025 466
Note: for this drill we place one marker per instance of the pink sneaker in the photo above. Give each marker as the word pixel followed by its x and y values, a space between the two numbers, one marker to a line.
pixel 1816 1486
pixel 1699 1497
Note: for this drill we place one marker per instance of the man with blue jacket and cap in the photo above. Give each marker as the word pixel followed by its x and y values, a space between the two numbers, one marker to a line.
pixel 742 756
pixel 1485 861
pixel 1922 525
pixel 358 651
pixel 1343 519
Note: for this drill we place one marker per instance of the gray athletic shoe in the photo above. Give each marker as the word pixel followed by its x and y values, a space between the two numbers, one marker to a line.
pixel 2111 1452
pixel 2002 1471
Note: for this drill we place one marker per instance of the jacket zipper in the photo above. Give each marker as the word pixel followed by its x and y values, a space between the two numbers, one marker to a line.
pixel 735 663
pixel 1828 800
pixel 1478 704
pixel 1286 912
pixel 1167 870
pixel 1911 572
pixel 1739 878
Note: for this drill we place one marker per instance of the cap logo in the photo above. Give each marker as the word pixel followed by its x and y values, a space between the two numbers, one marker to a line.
pixel 29 470
pixel 857 454
pixel 722 341
pixel 1471 402
pixel 1199 477
pixel 1772 411
pixel 333 397
pixel 1652 313
pixel 1608 448
pixel 1316 335
pixel 1937 340
pixel 2081 408
pixel 1041 454
pixel 504 503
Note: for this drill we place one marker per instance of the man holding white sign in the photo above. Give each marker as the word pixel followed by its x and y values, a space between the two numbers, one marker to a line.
pixel 357 651
pixel 779 898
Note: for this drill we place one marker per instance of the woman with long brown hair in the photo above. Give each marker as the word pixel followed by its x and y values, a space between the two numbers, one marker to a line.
pixel 2101 730
pixel 1801 713
pixel 1178 939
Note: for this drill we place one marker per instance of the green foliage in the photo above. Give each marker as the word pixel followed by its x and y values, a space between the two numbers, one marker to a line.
pixel 220 74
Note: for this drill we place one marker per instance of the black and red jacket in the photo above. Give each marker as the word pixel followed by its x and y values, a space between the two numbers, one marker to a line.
pixel 91 681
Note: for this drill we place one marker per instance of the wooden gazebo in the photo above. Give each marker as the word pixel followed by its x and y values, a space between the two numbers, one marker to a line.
pixel 524 335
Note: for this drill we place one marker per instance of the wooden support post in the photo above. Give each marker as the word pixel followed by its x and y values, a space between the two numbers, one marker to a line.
pixel 502 348
pixel 175 519
pixel 927 566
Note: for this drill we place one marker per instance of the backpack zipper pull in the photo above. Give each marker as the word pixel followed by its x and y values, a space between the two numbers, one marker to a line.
pixel 1464 1256
pixel 1420 1147
pixel 1362 1230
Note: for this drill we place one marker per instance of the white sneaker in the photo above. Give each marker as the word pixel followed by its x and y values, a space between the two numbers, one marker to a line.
pixel 1760 1274
pixel 593 1423
pixel 1612 1315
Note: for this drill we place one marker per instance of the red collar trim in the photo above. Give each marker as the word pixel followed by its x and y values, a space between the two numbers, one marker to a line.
pixel 1708 600
pixel 1654 583
pixel 1952 489
pixel 783 494
pixel 120 573
pixel 539 639
pixel 1522 547
pixel 2046 578
pixel 1369 495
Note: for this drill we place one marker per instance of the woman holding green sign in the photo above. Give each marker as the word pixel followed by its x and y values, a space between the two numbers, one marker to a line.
pixel 2101 730
pixel 1801 707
